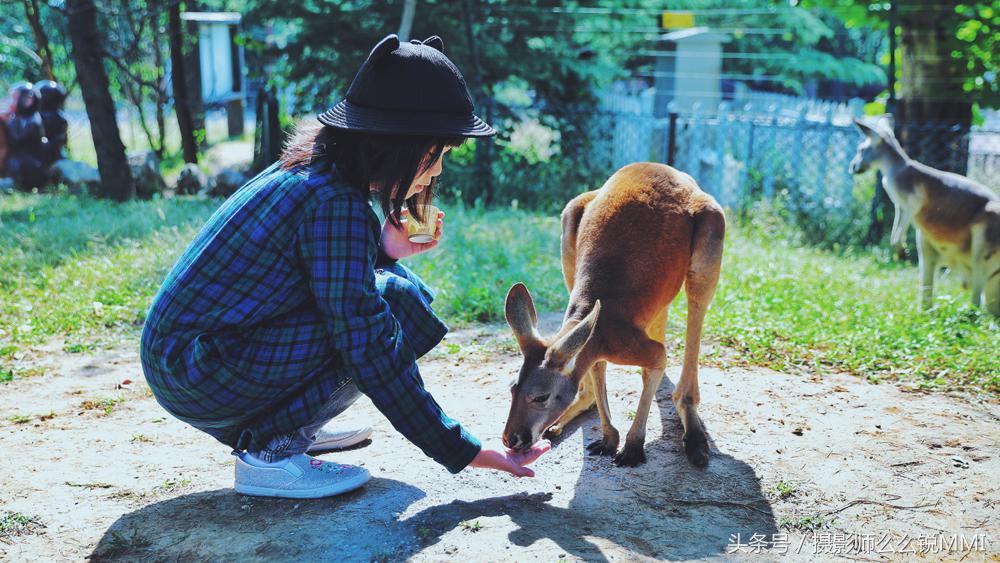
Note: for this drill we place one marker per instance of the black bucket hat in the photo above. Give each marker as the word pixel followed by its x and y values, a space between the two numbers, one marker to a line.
pixel 408 89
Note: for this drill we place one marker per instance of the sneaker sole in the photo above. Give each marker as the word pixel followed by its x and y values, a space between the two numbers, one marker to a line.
pixel 339 444
pixel 320 492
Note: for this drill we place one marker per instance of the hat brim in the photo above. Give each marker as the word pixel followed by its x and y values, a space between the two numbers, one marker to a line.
pixel 346 115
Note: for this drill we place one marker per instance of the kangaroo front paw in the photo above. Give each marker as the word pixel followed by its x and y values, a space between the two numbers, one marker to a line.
pixel 696 448
pixel 631 455
pixel 604 446
pixel 554 431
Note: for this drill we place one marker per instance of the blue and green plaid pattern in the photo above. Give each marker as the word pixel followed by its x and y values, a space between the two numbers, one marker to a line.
pixel 275 302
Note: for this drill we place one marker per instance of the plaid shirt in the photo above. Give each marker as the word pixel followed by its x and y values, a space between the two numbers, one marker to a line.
pixel 272 305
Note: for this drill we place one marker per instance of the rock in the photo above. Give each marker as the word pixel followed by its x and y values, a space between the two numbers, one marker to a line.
pixel 77 176
pixel 191 180
pixel 146 173
pixel 227 181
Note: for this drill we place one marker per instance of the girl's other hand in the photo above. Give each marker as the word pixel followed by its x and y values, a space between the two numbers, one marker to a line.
pixel 510 461
pixel 396 242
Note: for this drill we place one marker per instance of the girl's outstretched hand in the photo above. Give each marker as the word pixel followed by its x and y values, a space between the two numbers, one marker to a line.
pixel 396 243
pixel 510 461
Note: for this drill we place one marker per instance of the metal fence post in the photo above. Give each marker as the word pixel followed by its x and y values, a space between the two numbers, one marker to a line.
pixel 720 148
pixel 800 124
pixel 822 185
pixel 769 154
pixel 694 150
pixel 672 139
pixel 744 189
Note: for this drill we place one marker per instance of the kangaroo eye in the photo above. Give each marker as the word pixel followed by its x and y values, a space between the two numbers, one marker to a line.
pixel 540 398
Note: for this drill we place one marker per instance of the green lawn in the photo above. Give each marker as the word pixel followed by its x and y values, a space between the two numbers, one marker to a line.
pixel 84 271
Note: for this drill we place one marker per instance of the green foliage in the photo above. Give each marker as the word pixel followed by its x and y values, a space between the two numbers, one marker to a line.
pixel 17 524
pixel 790 47
pixel 18 57
pixel 970 39
pixel 784 489
pixel 486 252
pixel 317 47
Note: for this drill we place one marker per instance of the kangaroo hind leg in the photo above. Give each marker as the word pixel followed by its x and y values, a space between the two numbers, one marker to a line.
pixel 702 278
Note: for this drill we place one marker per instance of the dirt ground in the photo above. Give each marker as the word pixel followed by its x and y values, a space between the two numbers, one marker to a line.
pixel 803 467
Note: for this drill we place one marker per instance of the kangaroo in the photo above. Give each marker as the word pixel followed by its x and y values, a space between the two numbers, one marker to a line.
pixel 627 248
pixel 957 219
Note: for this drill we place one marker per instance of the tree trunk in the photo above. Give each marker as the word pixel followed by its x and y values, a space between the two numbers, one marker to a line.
pixel 116 177
pixel 41 40
pixel 933 118
pixel 406 24
pixel 160 99
pixel 182 108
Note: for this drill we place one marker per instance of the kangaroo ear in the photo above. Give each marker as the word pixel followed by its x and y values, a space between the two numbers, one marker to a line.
pixel 436 42
pixel 387 45
pixel 564 350
pixel 866 128
pixel 520 312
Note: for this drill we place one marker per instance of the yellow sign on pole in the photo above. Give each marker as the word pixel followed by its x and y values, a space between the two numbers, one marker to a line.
pixel 678 20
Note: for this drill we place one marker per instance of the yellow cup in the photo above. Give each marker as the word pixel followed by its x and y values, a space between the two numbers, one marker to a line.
pixel 422 233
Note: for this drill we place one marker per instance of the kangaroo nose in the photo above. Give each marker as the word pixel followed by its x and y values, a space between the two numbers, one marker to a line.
pixel 510 442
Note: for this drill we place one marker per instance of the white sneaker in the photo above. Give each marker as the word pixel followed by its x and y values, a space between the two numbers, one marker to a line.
pixel 329 441
pixel 299 476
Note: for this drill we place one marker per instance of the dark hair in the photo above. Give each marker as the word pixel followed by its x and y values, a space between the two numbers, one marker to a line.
pixel 389 162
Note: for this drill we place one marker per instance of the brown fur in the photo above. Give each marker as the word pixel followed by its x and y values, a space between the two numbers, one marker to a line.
pixel 627 249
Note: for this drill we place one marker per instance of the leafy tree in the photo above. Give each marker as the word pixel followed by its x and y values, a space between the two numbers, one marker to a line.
pixel 135 45
pixel 778 47
pixel 26 56
pixel 946 65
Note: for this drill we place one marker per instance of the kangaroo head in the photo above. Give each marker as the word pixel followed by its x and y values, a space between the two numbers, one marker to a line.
pixel 547 382
pixel 873 146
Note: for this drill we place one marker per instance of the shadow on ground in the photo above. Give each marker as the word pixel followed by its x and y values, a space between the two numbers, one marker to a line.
pixel 664 509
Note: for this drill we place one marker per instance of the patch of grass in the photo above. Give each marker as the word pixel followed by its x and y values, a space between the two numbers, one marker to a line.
pixel 138 438
pixel 630 415
pixel 779 304
pixel 123 543
pixel 471 525
pixel 63 254
pixel 17 524
pixel 97 485
pixel 784 306
pixel 384 555
pixel 807 523
pixel 483 253
pixel 784 489
pixel 20 419
pixel 171 485
pixel 167 487
pixel 105 405
pixel 21 370
pixel 78 348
